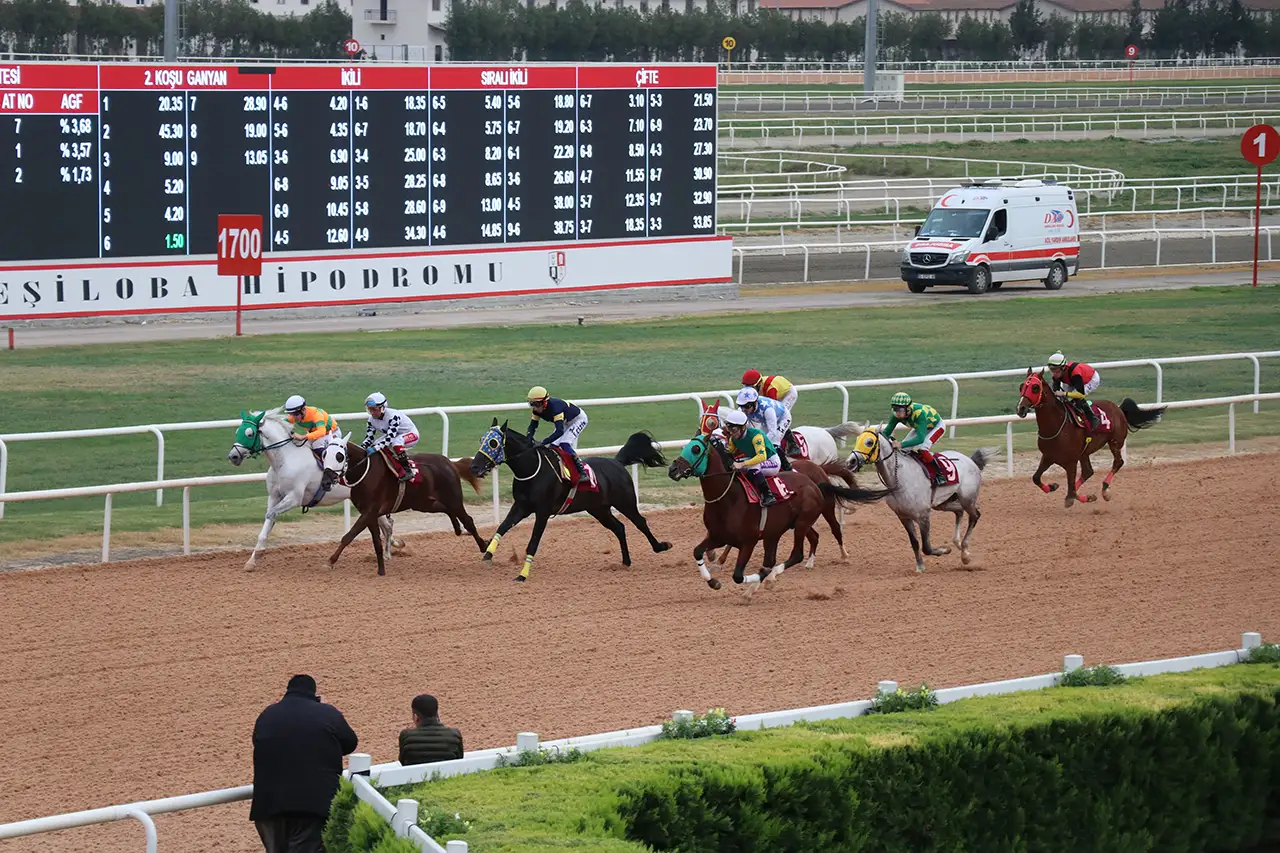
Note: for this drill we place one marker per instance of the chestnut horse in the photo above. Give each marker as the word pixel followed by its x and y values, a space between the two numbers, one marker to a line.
pixel 1063 442
pixel 375 491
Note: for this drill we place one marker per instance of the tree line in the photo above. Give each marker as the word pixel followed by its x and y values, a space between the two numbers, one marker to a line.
pixel 511 30
pixel 208 27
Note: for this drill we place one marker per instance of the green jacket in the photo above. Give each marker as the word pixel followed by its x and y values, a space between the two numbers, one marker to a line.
pixel 922 419
pixel 753 447
pixel 431 741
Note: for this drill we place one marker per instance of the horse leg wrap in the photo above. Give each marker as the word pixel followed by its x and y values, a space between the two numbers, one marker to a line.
pixel 1044 487
pixel 1108 480
pixel 702 570
pixel 493 544
pixel 528 564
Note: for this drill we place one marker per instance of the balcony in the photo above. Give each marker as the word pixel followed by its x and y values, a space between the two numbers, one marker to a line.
pixel 376 16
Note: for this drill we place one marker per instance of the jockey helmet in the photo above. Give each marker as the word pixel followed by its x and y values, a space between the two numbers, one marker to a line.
pixel 376 400
pixel 751 377
pixel 1057 360
pixel 747 395
pixel 733 417
pixel 295 404
pixel 537 394
pixel 902 398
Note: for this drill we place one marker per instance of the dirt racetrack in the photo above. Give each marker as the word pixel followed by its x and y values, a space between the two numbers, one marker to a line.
pixel 141 680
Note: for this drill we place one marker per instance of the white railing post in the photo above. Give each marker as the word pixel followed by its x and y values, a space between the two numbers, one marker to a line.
pixel 456 846
pixel 4 472
pixel 1008 448
pixel 1231 428
pixel 159 463
pixel 186 520
pixel 1257 389
pixel 955 402
pixel 497 511
pixel 346 514
pixel 406 816
pixel 1159 381
pixel 106 530
pixel 148 825
pixel 444 434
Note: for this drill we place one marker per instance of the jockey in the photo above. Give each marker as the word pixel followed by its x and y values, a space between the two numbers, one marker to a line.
pixel 568 420
pixel 768 416
pixel 774 388
pixel 1081 379
pixel 754 453
pixel 398 432
pixel 316 424
pixel 928 426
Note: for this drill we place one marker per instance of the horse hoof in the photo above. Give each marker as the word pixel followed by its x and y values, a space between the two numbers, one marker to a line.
pixel 919 570
pixel 626 563
pixel 1106 495
pixel 520 578
pixel 713 583
pixel 662 546
pixel 965 559
pixel 486 557
pixel 382 572
pixel 1053 487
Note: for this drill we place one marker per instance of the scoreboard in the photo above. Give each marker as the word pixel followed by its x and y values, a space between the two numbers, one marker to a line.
pixel 108 170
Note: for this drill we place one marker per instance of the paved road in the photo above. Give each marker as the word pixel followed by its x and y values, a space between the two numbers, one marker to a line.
pixel 616 308
pixel 853 102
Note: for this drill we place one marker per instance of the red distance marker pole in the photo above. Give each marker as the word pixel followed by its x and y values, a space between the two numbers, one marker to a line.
pixel 239 251
pixel 239 298
pixel 1259 145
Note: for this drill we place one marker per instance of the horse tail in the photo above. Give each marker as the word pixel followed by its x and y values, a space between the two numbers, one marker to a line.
pixel 463 467
pixel 983 455
pixel 845 429
pixel 854 494
pixel 1140 418
pixel 840 472
pixel 641 448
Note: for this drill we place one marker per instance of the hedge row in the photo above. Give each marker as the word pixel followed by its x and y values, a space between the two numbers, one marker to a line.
pixel 1184 762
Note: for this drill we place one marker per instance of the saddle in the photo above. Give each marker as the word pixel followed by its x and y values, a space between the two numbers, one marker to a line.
pixel 394 464
pixel 795 446
pixel 776 485
pixel 568 472
pixel 1104 422
pixel 941 465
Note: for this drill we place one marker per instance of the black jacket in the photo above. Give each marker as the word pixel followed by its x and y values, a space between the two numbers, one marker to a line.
pixel 431 741
pixel 298 744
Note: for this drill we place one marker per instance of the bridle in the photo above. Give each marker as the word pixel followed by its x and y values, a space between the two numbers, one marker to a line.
pixel 1044 395
pixel 502 449
pixel 258 447
pixel 732 473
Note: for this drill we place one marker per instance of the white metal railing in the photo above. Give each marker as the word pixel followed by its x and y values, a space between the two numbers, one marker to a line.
pixel 826 129
pixel 745 99
pixel 695 399
pixel 865 248
pixel 367 778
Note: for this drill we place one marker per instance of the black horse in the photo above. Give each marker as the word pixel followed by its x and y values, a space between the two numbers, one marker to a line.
pixel 539 490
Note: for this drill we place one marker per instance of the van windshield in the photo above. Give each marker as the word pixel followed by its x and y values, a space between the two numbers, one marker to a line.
pixel 954 223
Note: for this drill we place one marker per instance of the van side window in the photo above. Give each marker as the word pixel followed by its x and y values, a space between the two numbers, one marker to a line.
pixel 999 224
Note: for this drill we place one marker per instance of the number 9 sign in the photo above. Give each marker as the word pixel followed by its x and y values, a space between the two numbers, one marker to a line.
pixel 1260 144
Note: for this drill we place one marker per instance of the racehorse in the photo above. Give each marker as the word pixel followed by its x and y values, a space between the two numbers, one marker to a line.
pixel 436 486
pixel 546 484
pixel 293 479
pixel 914 494
pixel 732 514
pixel 1067 442
pixel 817 444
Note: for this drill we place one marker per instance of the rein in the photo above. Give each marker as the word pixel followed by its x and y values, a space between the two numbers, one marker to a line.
pixel 1065 417
pixel 535 470
pixel 368 466
pixel 732 474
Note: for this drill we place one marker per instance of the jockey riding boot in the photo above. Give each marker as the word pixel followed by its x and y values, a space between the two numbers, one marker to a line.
pixel 758 480
pixel 402 458
pixel 931 465
pixel 785 461
pixel 788 444
pixel 582 469
pixel 1087 411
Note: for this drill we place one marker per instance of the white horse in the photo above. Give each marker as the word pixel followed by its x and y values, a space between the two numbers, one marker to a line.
pixel 914 495
pixel 821 441
pixel 294 477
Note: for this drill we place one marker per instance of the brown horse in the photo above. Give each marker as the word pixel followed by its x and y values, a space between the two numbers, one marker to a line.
pixel 376 491
pixel 1065 442
pixel 731 519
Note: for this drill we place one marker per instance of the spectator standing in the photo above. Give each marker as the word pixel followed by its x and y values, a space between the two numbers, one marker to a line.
pixel 298 744
pixel 429 739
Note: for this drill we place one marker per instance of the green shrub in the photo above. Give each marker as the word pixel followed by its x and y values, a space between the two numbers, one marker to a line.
pixel 441 825
pixel 715 722
pixel 900 700
pixel 354 827
pixel 1265 653
pixel 1092 676
pixel 538 757
pixel 1192 777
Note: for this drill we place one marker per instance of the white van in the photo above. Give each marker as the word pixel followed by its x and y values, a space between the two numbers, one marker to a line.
pixel 984 234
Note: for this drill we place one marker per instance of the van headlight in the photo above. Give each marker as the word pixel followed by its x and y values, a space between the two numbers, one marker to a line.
pixel 958 257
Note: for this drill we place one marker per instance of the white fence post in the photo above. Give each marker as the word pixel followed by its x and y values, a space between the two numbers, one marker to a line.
pixel 527 742
pixel 4 472
pixel 886 687
pixel 456 846
pixel 1008 448
pixel 1071 663
pixel 1231 428
pixel 406 816
pixel 148 825
pixel 186 520
pixel 106 530
pixel 1250 640
pixel 497 509
pixel 159 463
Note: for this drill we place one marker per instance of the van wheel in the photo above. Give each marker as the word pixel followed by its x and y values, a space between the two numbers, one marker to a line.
pixel 1057 276
pixel 917 287
pixel 981 282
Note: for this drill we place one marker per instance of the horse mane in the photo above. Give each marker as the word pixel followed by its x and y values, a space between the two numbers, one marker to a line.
pixel 523 444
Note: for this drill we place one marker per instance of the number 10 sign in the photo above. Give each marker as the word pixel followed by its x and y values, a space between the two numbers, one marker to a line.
pixel 1259 145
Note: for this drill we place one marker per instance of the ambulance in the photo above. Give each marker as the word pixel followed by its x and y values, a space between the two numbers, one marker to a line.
pixel 981 235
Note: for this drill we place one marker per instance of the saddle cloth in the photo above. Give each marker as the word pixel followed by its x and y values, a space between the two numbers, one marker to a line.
pixel 1104 422
pixel 569 473
pixel 779 488
pixel 801 446
pixel 414 480
pixel 946 467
